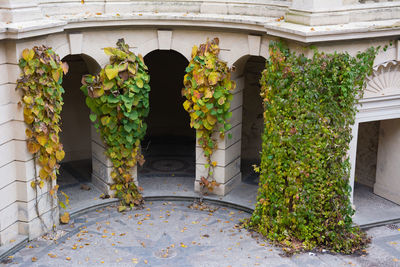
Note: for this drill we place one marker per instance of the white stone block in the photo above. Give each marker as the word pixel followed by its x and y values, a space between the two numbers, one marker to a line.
pixel 25 170
pixel 26 193
pixel 222 189
pixel 8 112
pixel 8 94
pixel 221 174
pixel 237 101
pixel 13 73
pixel 27 210
pixel 75 43
pixel 254 44
pixel 95 136
pixel 222 156
pixel 102 186
pixel 98 153
pixel 8 216
pixel 164 39
pixel 8 195
pixel 7 174
pixel 21 151
pixel 35 228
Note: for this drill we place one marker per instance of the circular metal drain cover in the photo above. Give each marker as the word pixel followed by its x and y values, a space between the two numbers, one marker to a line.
pixel 168 165
pixel 165 253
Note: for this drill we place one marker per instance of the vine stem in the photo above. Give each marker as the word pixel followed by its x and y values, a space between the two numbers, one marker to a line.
pixel 36 196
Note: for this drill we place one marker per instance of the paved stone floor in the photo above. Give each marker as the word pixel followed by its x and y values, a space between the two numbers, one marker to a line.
pixel 172 234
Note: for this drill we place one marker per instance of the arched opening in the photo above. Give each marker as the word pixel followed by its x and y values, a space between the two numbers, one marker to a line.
pixel 169 146
pixel 76 167
pixel 252 122
pixel 377 173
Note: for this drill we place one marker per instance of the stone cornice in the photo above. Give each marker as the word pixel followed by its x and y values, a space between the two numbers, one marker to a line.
pixel 356 30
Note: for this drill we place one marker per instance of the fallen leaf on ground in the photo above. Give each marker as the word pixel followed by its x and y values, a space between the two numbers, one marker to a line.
pixel 64 219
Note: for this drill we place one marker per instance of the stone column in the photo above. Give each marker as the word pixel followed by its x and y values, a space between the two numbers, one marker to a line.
pixel 352 157
pixel 316 12
pixel 18 199
pixel 387 183
pixel 227 172
pixel 102 166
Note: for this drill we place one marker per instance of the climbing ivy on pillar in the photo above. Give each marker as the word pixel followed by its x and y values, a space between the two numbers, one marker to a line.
pixel 208 91
pixel 119 100
pixel 310 104
pixel 40 84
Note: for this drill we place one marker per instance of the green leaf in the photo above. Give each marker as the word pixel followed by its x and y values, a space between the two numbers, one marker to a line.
pixel 93 117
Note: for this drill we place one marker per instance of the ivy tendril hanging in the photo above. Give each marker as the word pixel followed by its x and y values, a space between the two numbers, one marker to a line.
pixel 208 91
pixel 119 101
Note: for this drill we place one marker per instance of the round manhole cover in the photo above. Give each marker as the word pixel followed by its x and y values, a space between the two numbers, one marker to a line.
pixel 168 165
pixel 165 253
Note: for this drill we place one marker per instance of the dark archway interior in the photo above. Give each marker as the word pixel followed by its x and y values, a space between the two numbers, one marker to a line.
pixel 76 167
pixel 253 124
pixel 169 146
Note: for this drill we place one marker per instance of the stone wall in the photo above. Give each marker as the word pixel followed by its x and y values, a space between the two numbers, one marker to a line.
pixel 367 149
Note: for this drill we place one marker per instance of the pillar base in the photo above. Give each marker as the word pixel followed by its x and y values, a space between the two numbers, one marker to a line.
pixel 222 189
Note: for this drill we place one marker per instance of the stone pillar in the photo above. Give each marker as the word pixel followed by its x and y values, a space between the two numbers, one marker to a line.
pixel 227 172
pixel 317 12
pixel 102 166
pixel 387 183
pixel 18 199
pixel 352 157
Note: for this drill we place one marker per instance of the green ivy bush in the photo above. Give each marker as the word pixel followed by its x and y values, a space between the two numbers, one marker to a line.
pixel 119 100
pixel 208 91
pixel 304 193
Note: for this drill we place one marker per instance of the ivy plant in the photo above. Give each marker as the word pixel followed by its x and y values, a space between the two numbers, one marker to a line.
pixel 208 91
pixel 119 101
pixel 40 84
pixel 310 104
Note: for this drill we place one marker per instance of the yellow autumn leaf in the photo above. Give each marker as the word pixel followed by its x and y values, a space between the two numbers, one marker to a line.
pixel 28 133
pixel 60 154
pixel 194 51
pixel 28 54
pixel 211 119
pixel 213 78
pixel 64 219
pixel 42 139
pixel 43 174
pixel 29 118
pixel 28 100
pixel 186 105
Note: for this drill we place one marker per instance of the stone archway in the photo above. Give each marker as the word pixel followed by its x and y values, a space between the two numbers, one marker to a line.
pixel 375 148
pixel 76 169
pixel 169 145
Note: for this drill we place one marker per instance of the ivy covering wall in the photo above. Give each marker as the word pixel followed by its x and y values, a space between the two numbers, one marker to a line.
pixel 310 104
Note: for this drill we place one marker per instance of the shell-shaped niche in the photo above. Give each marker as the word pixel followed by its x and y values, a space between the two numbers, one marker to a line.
pixel 384 81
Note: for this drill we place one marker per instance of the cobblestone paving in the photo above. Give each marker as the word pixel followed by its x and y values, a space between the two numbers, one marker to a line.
pixel 172 234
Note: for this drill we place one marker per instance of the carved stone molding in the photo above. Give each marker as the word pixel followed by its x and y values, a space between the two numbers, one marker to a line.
pixel 384 81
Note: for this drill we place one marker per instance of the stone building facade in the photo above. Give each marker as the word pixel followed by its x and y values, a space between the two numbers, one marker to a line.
pixel 78 30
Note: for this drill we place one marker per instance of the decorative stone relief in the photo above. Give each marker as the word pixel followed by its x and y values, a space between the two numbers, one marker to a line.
pixel 384 81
